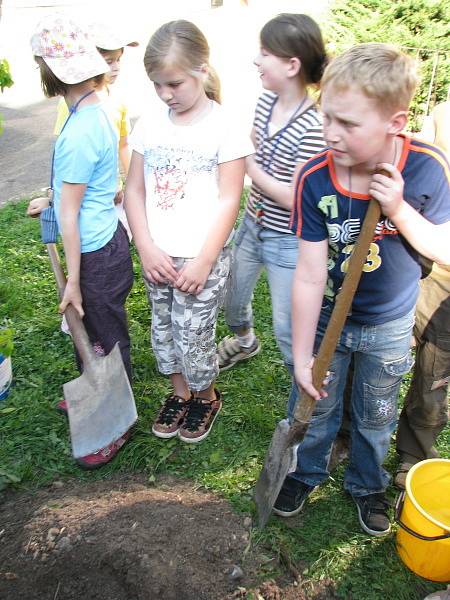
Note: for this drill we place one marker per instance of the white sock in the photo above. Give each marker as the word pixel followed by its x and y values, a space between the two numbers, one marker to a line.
pixel 247 340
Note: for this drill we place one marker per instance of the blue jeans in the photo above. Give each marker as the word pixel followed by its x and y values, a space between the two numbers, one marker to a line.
pixel 382 356
pixel 256 247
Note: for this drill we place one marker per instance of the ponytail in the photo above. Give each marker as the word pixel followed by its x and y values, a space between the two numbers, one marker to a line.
pixel 212 85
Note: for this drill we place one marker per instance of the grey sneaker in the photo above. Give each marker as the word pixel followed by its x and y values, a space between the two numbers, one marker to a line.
pixel 400 475
pixel 440 595
pixel 230 352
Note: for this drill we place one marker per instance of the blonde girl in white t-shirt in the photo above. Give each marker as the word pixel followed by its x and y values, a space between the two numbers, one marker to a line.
pixel 182 200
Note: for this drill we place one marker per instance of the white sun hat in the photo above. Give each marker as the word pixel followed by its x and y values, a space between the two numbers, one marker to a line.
pixel 67 50
pixel 107 37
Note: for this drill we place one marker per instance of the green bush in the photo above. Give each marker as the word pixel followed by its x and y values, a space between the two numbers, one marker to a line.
pixel 5 81
pixel 6 341
pixel 420 27
pixel 5 74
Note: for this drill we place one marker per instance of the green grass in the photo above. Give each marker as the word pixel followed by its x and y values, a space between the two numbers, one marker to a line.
pixel 34 447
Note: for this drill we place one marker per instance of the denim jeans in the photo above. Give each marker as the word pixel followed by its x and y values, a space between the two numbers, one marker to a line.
pixel 256 247
pixel 381 357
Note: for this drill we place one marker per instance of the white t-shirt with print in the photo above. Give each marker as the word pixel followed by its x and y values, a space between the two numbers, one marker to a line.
pixel 181 174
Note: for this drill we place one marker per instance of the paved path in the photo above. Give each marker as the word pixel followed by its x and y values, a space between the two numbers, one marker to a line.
pixel 26 149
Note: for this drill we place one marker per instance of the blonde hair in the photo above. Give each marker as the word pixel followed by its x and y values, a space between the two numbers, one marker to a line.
pixel 381 71
pixel 181 43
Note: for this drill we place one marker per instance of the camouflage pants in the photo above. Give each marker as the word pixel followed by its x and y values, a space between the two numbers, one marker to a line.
pixel 184 326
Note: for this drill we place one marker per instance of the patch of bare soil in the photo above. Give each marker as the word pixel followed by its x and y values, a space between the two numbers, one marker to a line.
pixel 121 539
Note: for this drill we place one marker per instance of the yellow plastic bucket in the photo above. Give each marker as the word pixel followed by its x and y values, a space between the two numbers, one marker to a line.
pixel 423 513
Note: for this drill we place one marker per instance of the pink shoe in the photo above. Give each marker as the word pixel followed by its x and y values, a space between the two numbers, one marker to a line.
pixel 98 349
pixel 103 456
pixel 62 407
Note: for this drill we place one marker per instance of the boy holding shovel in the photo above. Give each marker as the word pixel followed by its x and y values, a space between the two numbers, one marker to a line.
pixel 365 97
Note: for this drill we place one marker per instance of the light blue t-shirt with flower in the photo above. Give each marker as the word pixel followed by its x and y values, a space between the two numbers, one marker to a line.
pixel 86 152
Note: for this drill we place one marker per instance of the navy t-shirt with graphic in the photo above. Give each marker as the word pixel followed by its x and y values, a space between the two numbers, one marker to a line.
pixel 323 209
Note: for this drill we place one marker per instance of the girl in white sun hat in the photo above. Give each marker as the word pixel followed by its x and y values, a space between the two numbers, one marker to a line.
pixel 84 183
pixel 110 44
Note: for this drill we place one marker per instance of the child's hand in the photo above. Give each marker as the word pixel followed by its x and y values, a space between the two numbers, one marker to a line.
pixel 303 377
pixel 36 206
pixel 193 275
pixel 72 295
pixel 388 191
pixel 157 265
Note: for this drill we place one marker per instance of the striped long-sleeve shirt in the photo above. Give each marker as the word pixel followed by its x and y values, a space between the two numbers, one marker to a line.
pixel 278 154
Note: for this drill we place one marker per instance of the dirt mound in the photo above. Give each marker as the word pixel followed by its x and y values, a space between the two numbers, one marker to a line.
pixel 269 590
pixel 123 540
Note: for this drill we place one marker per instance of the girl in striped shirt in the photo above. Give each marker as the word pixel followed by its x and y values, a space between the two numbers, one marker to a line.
pixel 287 131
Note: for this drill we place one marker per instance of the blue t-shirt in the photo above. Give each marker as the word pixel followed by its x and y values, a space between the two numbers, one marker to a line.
pixel 86 152
pixel 323 209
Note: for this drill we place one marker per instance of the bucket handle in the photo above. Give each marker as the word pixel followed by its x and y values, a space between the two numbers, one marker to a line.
pixel 398 510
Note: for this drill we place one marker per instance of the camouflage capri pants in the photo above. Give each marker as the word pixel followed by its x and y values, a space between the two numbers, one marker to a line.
pixel 184 325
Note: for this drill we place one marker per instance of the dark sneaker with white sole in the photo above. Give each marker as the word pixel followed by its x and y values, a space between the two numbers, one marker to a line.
pixel 199 418
pixel 291 498
pixel 170 417
pixel 373 513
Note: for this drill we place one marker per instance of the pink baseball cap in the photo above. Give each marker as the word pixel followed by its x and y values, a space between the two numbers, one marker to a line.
pixel 67 50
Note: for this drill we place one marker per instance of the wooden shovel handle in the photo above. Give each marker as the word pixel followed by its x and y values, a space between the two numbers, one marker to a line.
pixel 340 312
pixel 76 326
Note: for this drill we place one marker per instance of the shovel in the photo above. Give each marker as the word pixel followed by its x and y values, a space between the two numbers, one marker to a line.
pixel 100 402
pixel 282 449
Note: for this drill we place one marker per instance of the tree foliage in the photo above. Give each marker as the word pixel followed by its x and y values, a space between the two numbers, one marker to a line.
pixel 5 81
pixel 5 74
pixel 420 27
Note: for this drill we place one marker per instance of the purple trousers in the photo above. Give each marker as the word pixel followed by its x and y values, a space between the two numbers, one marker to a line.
pixel 106 278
